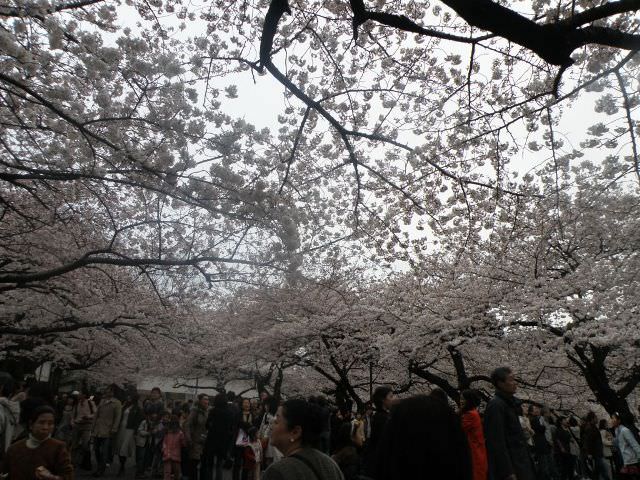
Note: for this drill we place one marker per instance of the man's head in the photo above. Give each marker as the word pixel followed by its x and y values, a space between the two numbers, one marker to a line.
pixel 383 398
pixel 504 380
pixel 156 394
pixel 203 401
pixel 591 418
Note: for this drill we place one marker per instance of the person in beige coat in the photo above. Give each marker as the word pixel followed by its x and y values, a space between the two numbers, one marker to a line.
pixel 105 427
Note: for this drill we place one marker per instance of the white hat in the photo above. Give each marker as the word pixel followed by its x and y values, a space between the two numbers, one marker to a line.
pixel 75 393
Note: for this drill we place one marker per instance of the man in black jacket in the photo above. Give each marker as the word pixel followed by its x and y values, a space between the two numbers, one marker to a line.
pixel 507 450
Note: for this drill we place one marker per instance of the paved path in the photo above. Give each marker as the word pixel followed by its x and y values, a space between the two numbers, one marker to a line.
pixel 112 474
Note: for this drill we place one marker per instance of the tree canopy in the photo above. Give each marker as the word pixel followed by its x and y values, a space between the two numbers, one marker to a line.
pixel 442 183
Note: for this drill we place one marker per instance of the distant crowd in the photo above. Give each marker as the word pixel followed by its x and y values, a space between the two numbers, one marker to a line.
pixel 49 437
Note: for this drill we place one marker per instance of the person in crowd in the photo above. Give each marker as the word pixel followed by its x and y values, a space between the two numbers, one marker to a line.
pixel 576 443
pixel 592 445
pixel 325 438
pixel 39 456
pixel 566 461
pixel 423 439
pixel 36 395
pixel 525 424
pixel 607 445
pixel 367 420
pixel 64 430
pixel 296 433
pixel 158 431
pixel 81 423
pixel 220 439
pixel 382 399
pixel 105 426
pixel 195 431
pixel 270 454
pixel 542 447
pixel 143 442
pixel 9 412
pixel 173 442
pixel 132 416
pixel 349 441
pixel 507 450
pixel 472 427
pixel 155 403
pixel 257 408
pixel 245 423
pixel 628 447
pixel 252 456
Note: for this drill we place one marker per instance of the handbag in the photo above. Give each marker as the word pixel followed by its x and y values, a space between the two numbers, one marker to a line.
pixel 242 440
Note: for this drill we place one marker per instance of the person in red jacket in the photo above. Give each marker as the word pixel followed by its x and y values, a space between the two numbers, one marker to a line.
pixel 472 426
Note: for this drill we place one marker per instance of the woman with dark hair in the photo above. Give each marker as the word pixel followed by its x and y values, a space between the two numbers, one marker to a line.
pixel 270 454
pixel 472 427
pixel 132 417
pixel 423 439
pixel 38 457
pixel 628 447
pixel 220 427
pixel 296 433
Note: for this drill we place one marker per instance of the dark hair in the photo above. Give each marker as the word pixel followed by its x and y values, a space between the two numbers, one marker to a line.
pixel 423 435
pixel 439 394
pixel 41 410
pixel 590 417
pixel 252 433
pixel 308 416
pixel 573 422
pixel 379 395
pixel 602 424
pixel 201 396
pixel 220 401
pixel 626 420
pixel 6 384
pixel 344 437
pixel 231 396
pixel 471 399
pixel 157 389
pixel 500 374
pixel 272 405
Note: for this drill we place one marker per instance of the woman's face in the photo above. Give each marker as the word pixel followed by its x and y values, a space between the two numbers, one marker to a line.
pixel 246 405
pixel 280 435
pixel 43 426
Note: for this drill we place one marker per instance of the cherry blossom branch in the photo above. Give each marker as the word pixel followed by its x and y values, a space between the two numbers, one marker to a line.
pixel 630 123
pixel 27 9
pixel 96 258
pixel 361 15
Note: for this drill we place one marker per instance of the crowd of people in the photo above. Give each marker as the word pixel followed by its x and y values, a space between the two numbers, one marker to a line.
pixel 423 436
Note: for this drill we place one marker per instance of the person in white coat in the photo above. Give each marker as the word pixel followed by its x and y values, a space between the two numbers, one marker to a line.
pixel 628 447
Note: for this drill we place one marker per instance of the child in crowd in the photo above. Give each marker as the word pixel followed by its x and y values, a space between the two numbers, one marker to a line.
pixel 252 456
pixel 172 445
